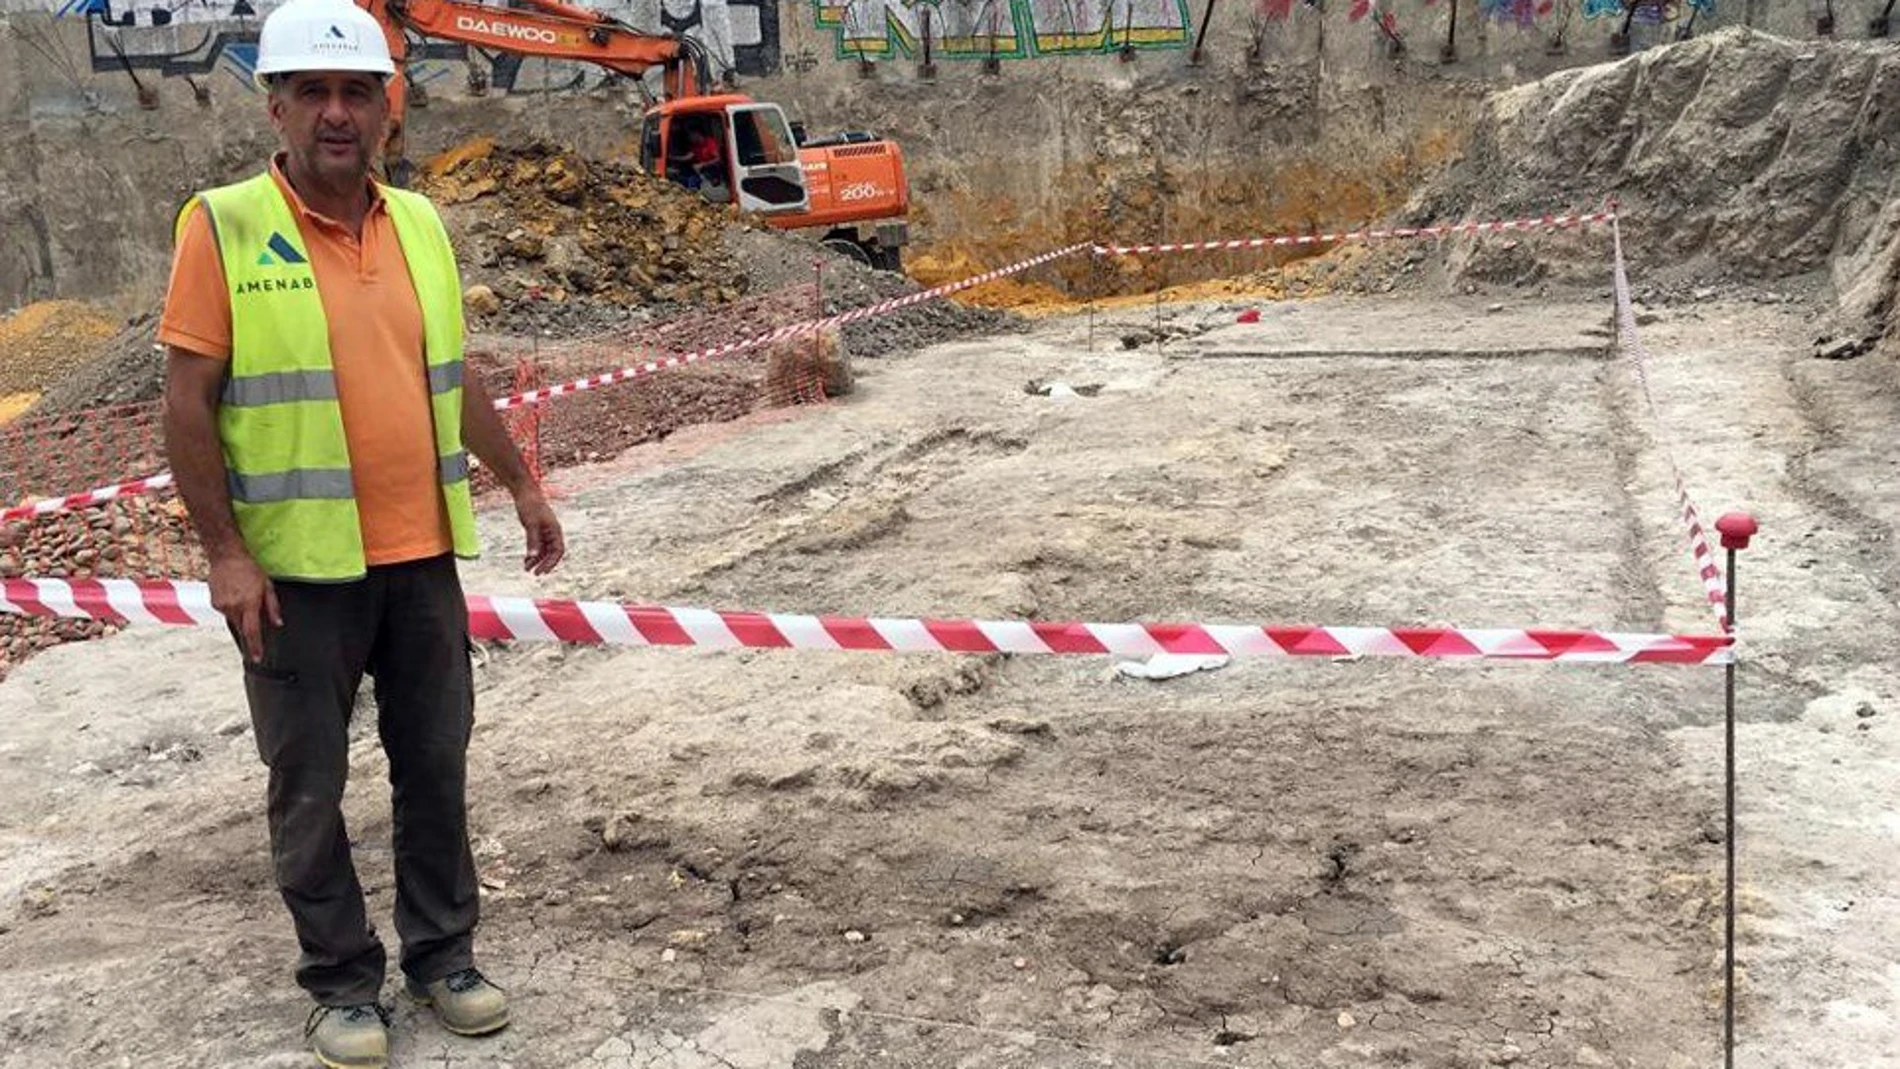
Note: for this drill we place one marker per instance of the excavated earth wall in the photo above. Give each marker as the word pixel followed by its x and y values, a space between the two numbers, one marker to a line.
pixel 1737 156
pixel 1306 122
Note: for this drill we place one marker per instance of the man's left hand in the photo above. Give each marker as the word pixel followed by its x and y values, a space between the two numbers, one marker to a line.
pixel 546 544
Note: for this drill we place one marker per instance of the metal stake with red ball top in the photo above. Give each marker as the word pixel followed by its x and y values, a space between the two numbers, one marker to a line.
pixel 1736 528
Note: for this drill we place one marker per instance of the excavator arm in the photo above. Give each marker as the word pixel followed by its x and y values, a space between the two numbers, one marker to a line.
pixel 846 187
pixel 547 28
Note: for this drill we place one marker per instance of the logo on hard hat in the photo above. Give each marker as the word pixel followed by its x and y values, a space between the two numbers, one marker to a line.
pixel 336 39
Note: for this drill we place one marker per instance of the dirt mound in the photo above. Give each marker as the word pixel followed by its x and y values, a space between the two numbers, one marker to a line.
pixel 567 245
pixel 552 244
pixel 128 368
pixel 1736 154
pixel 774 260
pixel 42 343
pixel 544 223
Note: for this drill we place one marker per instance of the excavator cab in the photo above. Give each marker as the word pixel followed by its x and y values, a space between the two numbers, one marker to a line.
pixel 731 148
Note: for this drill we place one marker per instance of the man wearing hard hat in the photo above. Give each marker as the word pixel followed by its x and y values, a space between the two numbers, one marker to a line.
pixel 317 417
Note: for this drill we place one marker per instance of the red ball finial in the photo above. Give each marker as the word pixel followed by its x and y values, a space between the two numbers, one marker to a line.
pixel 1737 528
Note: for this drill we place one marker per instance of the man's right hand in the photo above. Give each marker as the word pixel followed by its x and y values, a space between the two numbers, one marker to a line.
pixel 243 593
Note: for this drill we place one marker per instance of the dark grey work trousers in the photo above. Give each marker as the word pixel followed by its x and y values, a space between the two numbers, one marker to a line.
pixel 407 625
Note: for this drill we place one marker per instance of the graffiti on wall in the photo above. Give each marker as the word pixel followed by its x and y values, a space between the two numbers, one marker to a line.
pixel 1648 12
pixel 1002 29
pixel 187 38
pixel 1522 13
pixel 1516 12
pixel 743 36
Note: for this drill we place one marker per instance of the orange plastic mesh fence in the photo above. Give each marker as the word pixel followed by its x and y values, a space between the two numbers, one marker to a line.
pixel 150 535
pixel 601 422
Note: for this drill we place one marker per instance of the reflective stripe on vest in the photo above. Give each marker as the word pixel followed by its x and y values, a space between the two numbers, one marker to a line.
pixel 445 377
pixel 280 423
pixel 303 484
pixel 280 388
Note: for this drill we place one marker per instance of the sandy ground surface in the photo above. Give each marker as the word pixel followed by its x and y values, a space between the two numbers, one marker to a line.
pixel 794 861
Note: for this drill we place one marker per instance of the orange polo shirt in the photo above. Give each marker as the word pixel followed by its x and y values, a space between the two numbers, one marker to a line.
pixel 376 349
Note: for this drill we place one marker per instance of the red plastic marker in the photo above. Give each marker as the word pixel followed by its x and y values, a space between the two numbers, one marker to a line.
pixel 1736 528
pixel 1251 315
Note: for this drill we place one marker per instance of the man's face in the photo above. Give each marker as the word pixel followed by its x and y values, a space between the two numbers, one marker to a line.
pixel 331 122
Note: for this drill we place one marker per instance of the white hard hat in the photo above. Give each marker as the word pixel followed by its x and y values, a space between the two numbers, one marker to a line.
pixel 321 35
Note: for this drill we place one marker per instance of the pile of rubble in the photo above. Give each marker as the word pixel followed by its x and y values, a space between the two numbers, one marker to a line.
pixel 541 225
pixel 127 367
pixel 42 343
pixel 133 537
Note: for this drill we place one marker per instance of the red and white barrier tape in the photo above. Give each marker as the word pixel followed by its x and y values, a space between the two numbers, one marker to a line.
pixel 102 494
pixel 98 495
pixel 182 603
pixel 1546 222
pixel 1632 343
pixel 792 330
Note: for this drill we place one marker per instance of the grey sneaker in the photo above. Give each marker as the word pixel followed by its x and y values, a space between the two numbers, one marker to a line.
pixel 465 1002
pixel 349 1037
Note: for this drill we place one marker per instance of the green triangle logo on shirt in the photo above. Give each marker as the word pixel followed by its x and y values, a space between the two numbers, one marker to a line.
pixel 286 252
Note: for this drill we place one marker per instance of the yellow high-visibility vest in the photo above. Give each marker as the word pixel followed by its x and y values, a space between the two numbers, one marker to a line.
pixel 282 430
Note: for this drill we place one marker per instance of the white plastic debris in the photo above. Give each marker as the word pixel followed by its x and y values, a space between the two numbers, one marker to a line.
pixel 1172 665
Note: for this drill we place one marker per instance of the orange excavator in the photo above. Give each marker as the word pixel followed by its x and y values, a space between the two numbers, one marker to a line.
pixel 729 147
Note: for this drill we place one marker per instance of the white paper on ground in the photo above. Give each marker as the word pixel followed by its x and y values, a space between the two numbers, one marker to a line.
pixel 1172 665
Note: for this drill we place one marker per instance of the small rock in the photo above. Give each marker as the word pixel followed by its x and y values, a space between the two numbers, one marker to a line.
pixel 1011 725
pixel 626 831
pixel 232 727
pixel 1506 1055
pixel 613 1047
pixel 481 300
pixel 854 936
pixel 1493 309
pixel 1865 710
pixel 669 955
pixel 1848 349
pixel 1703 293
pixel 524 244
pixel 1346 1019
pixel 1021 963
pixel 39 902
